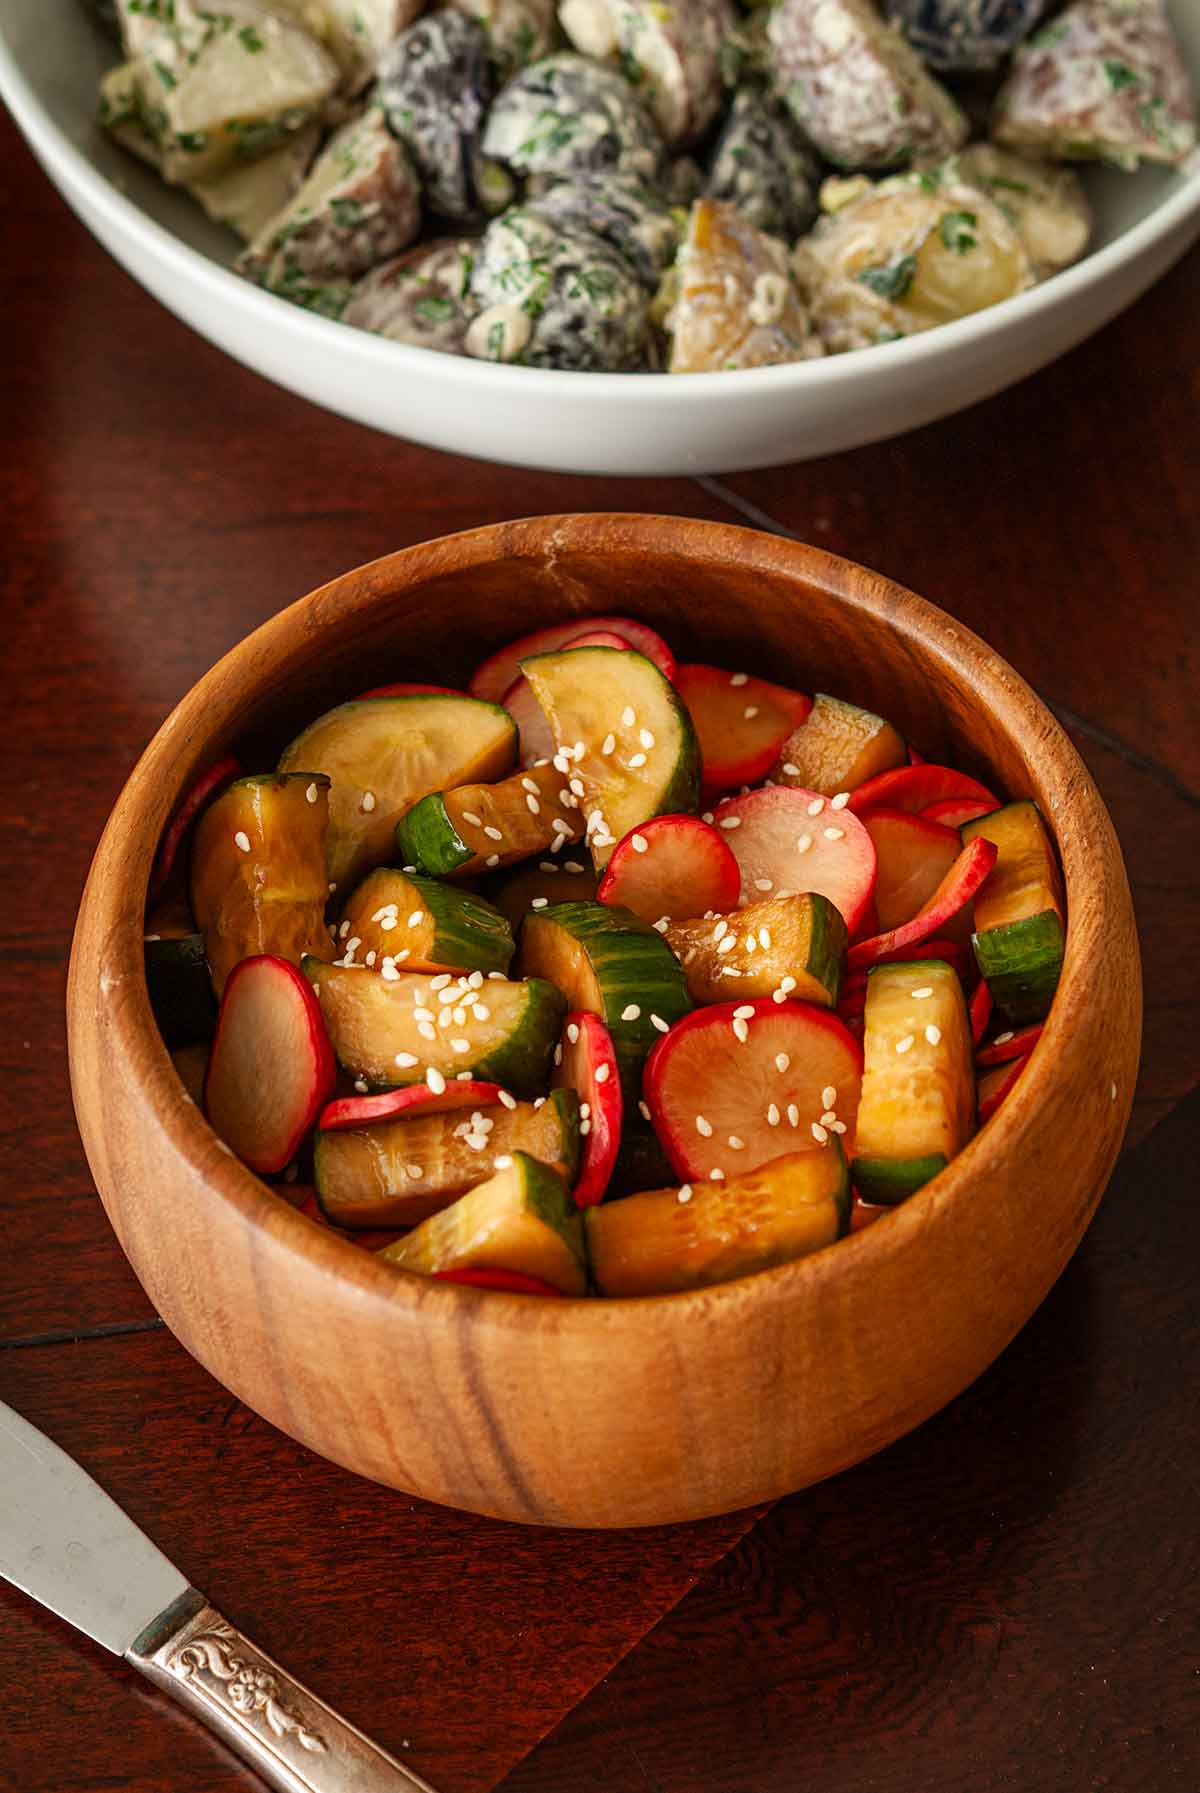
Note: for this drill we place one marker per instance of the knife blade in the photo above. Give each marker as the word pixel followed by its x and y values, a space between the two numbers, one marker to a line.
pixel 69 1545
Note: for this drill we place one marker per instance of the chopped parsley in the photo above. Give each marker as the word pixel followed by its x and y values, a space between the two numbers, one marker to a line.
pixel 439 311
pixel 250 40
pixel 1000 183
pixel 1120 76
pixel 957 231
pixel 891 280
pixel 165 75
pixel 347 213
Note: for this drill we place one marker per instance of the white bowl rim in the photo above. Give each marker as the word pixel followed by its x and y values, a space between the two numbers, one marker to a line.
pixel 640 389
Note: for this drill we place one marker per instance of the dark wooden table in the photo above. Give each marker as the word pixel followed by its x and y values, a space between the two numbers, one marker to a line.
pixel 1004 1600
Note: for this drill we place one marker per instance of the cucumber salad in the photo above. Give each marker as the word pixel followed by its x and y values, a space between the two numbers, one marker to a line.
pixel 609 975
pixel 680 186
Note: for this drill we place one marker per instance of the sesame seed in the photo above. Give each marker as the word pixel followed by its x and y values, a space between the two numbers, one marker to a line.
pixel 464 1076
pixel 739 678
pixel 493 833
pixel 416 918
pixel 804 843
pixel 816 806
pixel 585 1111
pixel 751 944
pixel 922 993
pixel 638 842
pixel 736 1144
pixel 829 1117
pixel 427 1030
pixel 764 883
pixel 662 924
pixel 573 1032
pixel 662 1026
pixel 750 712
pixel 333 885
pixel 716 1176
pixel 764 939
pixel 468 815
pixel 503 1162
pixel 573 865
pixel 782 1062
pixel 415 1172
pixel 645 737
pixel 539 902
pixel 644 1110
pixel 741 1031
pixel 494 975
pixel 343 930
pixel 731 821
pixel 684 1193
pixel 401 956
pixel 585 1127
pixel 389 972
pixel 577 787
pixel 837 1126
pixel 727 944
pixel 707 816
pixel 602 1073
pixel 608 745
pixel 435 1080
pixel 792 771
pixel 368 802
pixel 628 717
pixel 558 1053
pixel 721 929
pixel 481 1012
pixel 703 1127
pixel 840 801
pixel 819 1134
pixel 529 784
pixel 1002 1039
pixel 773 1115
pixel 440 981
pixel 630 1012
pixel 405 1060
pixel 242 839
pixel 547 865
pixel 533 806
pixel 579 750
pixel 460 1045
pixel 371 957
pixel 787 984
pixel 475 981
pixel 793 1115
pixel 311 793
pixel 835 833
pixel 352 946
pixel 561 763
pixel 904 1044
pixel 933 1034
pixel 361 1085
pixel 828 1096
pixel 636 761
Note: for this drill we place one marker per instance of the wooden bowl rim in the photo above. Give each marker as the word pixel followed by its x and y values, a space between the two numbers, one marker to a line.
pixel 141 811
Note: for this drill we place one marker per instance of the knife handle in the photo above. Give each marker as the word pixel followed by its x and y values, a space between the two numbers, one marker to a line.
pixel 294 1741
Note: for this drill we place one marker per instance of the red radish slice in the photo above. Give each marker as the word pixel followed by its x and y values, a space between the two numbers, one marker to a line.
pixel 916 787
pixel 863 1214
pixel 853 1001
pixel 404 689
pixel 513 1282
pixel 499 671
pixel 272 1066
pixel 952 812
pixel 797 840
pixel 758 1074
pixel 206 787
pixel 954 892
pixel 673 866
pixel 915 758
pixel 980 1007
pixel 589 1066
pixel 742 722
pixel 395 1104
pixel 913 856
pixel 537 737
pixel 994 1085
pixel 1014 1045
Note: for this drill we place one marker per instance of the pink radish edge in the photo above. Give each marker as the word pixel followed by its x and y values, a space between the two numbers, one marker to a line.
pixel 262 1124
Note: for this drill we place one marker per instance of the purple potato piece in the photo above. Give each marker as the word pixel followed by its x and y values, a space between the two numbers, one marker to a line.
pixel 763 165
pixel 669 50
pixel 435 82
pixel 626 212
pixel 567 116
pixel 549 296
pixel 961 36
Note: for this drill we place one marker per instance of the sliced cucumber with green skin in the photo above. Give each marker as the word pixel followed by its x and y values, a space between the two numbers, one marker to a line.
pixel 601 697
pixel 796 938
pixel 918 1095
pixel 663 1240
pixel 481 826
pixel 608 962
pixel 500 1032
pixel 1020 936
pixel 522 1219
pixel 400 1172
pixel 180 990
pixel 258 880
pixel 384 754
pixel 423 925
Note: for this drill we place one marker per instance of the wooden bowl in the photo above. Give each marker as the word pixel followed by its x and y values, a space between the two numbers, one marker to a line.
pixel 609 1413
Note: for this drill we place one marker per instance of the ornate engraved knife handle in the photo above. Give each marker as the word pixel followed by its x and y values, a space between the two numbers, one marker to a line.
pixel 292 1738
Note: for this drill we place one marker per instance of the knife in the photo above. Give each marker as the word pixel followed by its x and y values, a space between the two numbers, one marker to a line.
pixel 65 1542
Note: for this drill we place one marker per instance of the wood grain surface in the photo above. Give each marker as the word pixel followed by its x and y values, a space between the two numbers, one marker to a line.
pixel 1004 1599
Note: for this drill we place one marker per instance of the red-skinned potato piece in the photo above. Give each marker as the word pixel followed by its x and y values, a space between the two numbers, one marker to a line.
pixel 913 855
pixel 995 1084
pixel 537 737
pixel 416 1098
pixel 672 866
pixel 741 722
pixel 406 689
pixel 956 890
pixel 499 671
pixel 757 1073
pixel 589 1066
pixel 1003 1049
pixel 209 785
pixel 798 840
pixel 272 1067
pixel 980 1009
pixel 511 1282
pixel 952 812
pixel 915 787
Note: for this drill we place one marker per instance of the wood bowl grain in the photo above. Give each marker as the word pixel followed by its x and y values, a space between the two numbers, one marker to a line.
pixel 621 1412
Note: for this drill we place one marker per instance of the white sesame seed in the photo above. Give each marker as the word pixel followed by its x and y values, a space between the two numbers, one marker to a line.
pixel 573 865
pixel 739 678
pixel 388 971
pixel 741 1031
pixel 684 1193
pixel 361 1085
pixel 630 1012
pixel 460 1045
pixel 703 1127
pixel 602 1073
pixel 751 944
pixel 782 1062
pixel 707 816
pixel 608 745
pixel 793 1115
pixel 638 842
pixel 464 1076
pixel 242 839
pixel 791 771
pixel 829 1117
pixel 840 801
pixel 577 787
pixel 636 761
pixel 828 1096
pixel 1002 1039
pixel 736 1144
pixel 727 944
pixel 787 984
pixel 750 712
pixel 343 930
pixel 763 883
pixel 644 1110
pixel 333 885
pixel 804 843
pixel 312 793
pixel 573 1032
pixel 645 737
pixel 496 975
pixel 716 1176
pixel 493 833
pixel 764 939
pixel 585 1111
pixel 401 956
pixel 371 957
pixel 558 1053
pixel 415 1172
pixel 561 763
pixel 352 946
pixel 662 924
pixel 585 1127
pixel 416 918
pixel 468 815
pixel 835 833
pixel 922 993
pixel 933 1034
pixel 628 717
pixel 837 1126
pixel 492 860
pixel 503 1162
pixel 819 1133
pixel 731 821
pixel 721 929
pixel 533 806
pixel 481 1012
pixel 773 1115
pixel 816 806
pixel 427 1030
pixel 579 750
pixel 367 803
pixel 539 902
pixel 440 981
pixel 531 785
pixel 904 1044
pixel 662 1026
pixel 547 865
pixel 435 1080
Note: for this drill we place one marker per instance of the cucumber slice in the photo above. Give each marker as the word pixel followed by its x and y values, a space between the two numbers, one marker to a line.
pixel 258 871
pixel 611 964
pixel 384 754
pixel 399 1172
pixel 537 737
pixel 668 1239
pixel 481 826
pixel 180 990
pixel 566 879
pixel 380 1028
pixel 837 747
pixel 598 698
pixel 918 1094
pixel 1020 933
pixel 521 1219
pixel 795 945
pixel 423 925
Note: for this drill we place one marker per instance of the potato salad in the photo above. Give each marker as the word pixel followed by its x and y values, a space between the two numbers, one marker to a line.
pixel 671 186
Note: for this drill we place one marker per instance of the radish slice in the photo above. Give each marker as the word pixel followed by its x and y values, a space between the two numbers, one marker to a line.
pixel 863 1214
pixel 537 737
pixel 952 812
pixel 980 1008
pixel 672 866
pixel 206 787
pixel 913 856
pixel 994 1085
pixel 589 1066
pixel 404 689
pixel 801 843
pixel 742 722
pixel 395 1104
pixel 499 671
pixel 954 892
pixel 1015 1045
pixel 915 758
pixel 513 1282
pixel 916 787
pixel 734 1085
pixel 272 1066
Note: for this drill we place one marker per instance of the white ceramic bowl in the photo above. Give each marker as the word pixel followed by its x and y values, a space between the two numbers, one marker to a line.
pixel 51 57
